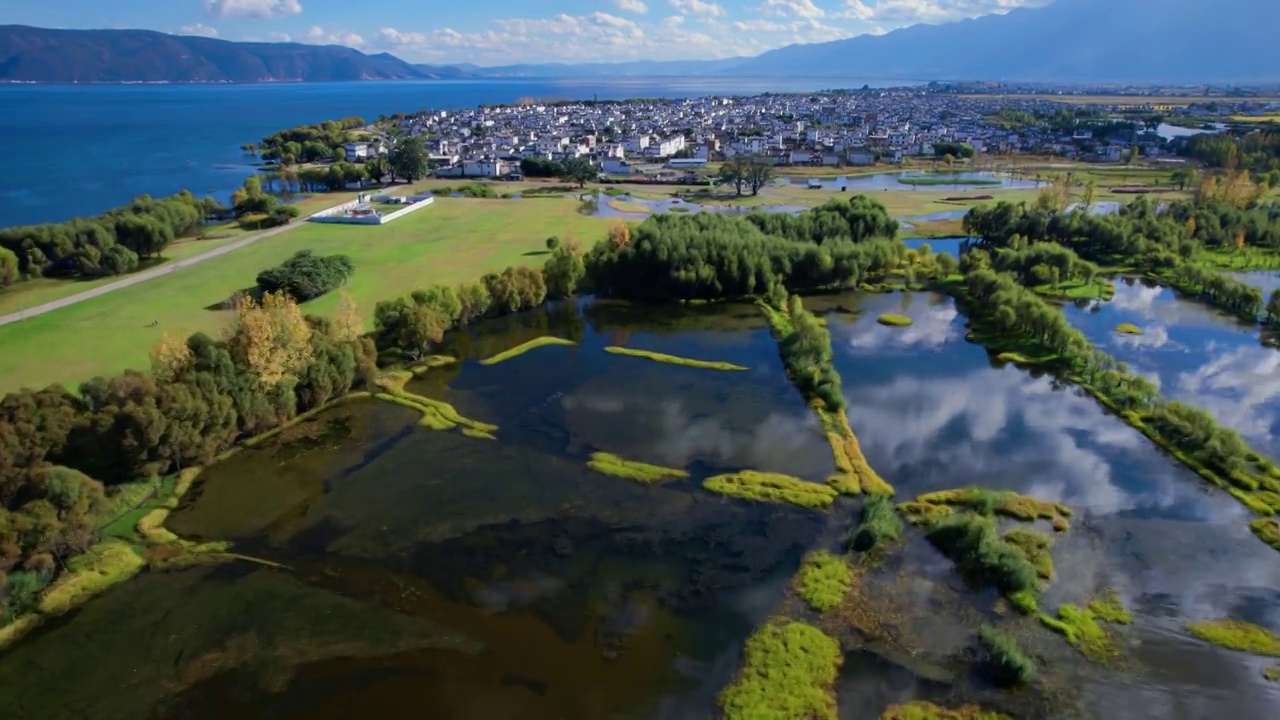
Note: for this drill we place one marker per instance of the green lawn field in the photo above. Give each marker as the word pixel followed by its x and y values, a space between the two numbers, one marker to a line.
pixel 453 241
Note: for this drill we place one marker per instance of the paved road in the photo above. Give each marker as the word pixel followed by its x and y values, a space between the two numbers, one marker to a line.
pixel 146 275
pixel 143 276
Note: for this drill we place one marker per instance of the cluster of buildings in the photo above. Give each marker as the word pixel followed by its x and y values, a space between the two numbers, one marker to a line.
pixel 658 137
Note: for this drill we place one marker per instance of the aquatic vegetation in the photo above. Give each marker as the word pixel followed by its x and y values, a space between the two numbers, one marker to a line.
pixel 1237 635
pixel 924 710
pixel 609 464
pixel 895 320
pixel 1080 627
pixel 436 414
pixel 524 348
pixel 971 541
pixel 942 180
pixel 993 502
pixel 924 514
pixel 1128 329
pixel 880 525
pixel 1035 548
pixel 1271 673
pixel 772 487
pixel 1006 664
pixel 103 565
pixel 1108 608
pixel 855 473
pixel 823 580
pixel 674 360
pixel 788 671
pixel 426 364
pixel 478 434
pixel 1268 530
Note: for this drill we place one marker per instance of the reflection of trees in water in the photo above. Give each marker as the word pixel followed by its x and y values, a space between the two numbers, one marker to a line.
pixel 488 338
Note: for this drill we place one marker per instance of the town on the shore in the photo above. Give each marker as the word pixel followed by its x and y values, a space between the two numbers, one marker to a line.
pixel 667 139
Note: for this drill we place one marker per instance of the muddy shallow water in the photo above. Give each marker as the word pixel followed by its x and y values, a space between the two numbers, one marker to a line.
pixel 433 575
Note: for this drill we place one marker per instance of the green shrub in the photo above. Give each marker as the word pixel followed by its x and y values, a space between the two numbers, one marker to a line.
pixel 823 581
pixel 1004 662
pixel 971 541
pixel 306 276
pixel 880 524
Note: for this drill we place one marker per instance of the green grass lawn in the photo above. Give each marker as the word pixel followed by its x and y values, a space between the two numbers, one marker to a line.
pixel 453 241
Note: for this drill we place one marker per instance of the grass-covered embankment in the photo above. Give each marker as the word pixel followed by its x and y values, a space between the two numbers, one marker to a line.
pixel 675 359
pixel 436 414
pixel 523 348
pixel 804 345
pixel 772 488
pixel 610 464
pixel 788 671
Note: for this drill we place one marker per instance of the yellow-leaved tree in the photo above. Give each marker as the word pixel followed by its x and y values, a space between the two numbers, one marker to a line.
pixel 271 339
pixel 170 357
pixel 347 323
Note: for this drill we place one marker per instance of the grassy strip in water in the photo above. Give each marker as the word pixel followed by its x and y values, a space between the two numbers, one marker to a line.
pixel 1108 608
pixel 1272 673
pixel 524 348
pixel 674 360
pixel 1034 546
pixel 1004 661
pixel 1080 627
pixel 788 671
pixel 1237 635
pixel 854 474
pixel 924 710
pixel 436 414
pixel 880 525
pixel 1128 329
pixel 478 434
pixel 609 464
pixel 823 581
pixel 1267 530
pixel 927 180
pixel 895 320
pixel 936 505
pixel 772 488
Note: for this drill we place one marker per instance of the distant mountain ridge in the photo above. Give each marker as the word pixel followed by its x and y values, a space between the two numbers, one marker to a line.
pixel 29 54
pixel 1068 41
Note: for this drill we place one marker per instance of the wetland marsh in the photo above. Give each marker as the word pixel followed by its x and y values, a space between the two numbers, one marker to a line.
pixel 429 572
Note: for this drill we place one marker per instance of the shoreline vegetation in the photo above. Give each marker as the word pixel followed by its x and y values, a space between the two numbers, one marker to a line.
pixel 676 360
pixel 436 414
pixel 526 347
pixel 610 464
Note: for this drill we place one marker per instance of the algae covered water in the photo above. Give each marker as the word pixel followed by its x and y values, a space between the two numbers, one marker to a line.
pixel 430 574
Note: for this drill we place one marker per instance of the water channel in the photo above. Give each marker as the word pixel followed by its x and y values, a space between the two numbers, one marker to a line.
pixel 432 575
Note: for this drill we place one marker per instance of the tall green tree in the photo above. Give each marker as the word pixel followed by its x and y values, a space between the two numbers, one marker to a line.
pixel 8 267
pixel 580 170
pixel 408 158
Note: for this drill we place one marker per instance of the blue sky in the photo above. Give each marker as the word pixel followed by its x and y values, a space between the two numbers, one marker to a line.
pixel 493 32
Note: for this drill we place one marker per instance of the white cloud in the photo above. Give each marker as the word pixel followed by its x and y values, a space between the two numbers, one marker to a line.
pixel 674 21
pixel 698 7
pixel 198 29
pixel 907 12
pixel 319 36
pixel 635 6
pixel 258 9
pixel 794 8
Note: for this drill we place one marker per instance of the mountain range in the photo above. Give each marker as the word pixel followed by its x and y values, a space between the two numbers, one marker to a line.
pixel 1094 41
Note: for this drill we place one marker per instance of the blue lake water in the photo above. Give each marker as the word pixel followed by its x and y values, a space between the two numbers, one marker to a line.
pixel 94 147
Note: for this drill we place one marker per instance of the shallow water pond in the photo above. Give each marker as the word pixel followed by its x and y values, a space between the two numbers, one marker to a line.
pixel 431 574
pixel 1195 353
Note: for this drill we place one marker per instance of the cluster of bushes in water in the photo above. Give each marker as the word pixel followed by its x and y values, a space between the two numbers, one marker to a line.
pixel 306 276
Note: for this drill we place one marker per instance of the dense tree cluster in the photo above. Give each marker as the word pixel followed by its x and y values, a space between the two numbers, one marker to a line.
pixel 110 244
pixel 710 256
pixel 751 171
pixel 1258 151
pixel 541 167
pixel 412 326
pixel 306 276
pixel 331 178
pixel 201 395
pixel 309 143
pixel 859 218
pixel 1037 263
pixel 955 150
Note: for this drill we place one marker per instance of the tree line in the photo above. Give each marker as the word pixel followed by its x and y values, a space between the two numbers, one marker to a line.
pixel 110 244
pixel 309 143
pixel 59 451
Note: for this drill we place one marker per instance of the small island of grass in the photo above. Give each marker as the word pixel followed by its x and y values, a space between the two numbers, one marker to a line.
pixel 880 525
pixel 1081 629
pixel 1108 608
pixel 823 581
pixel 1267 530
pixel 894 320
pixel 923 710
pixel 627 206
pixel 1272 673
pixel 945 180
pixel 1237 635
pixel 610 464
pixel 524 348
pixel 1128 329
pixel 1004 661
pixel 930 507
pixel 674 359
pixel 772 488
pixel 788 671
pixel 1034 546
